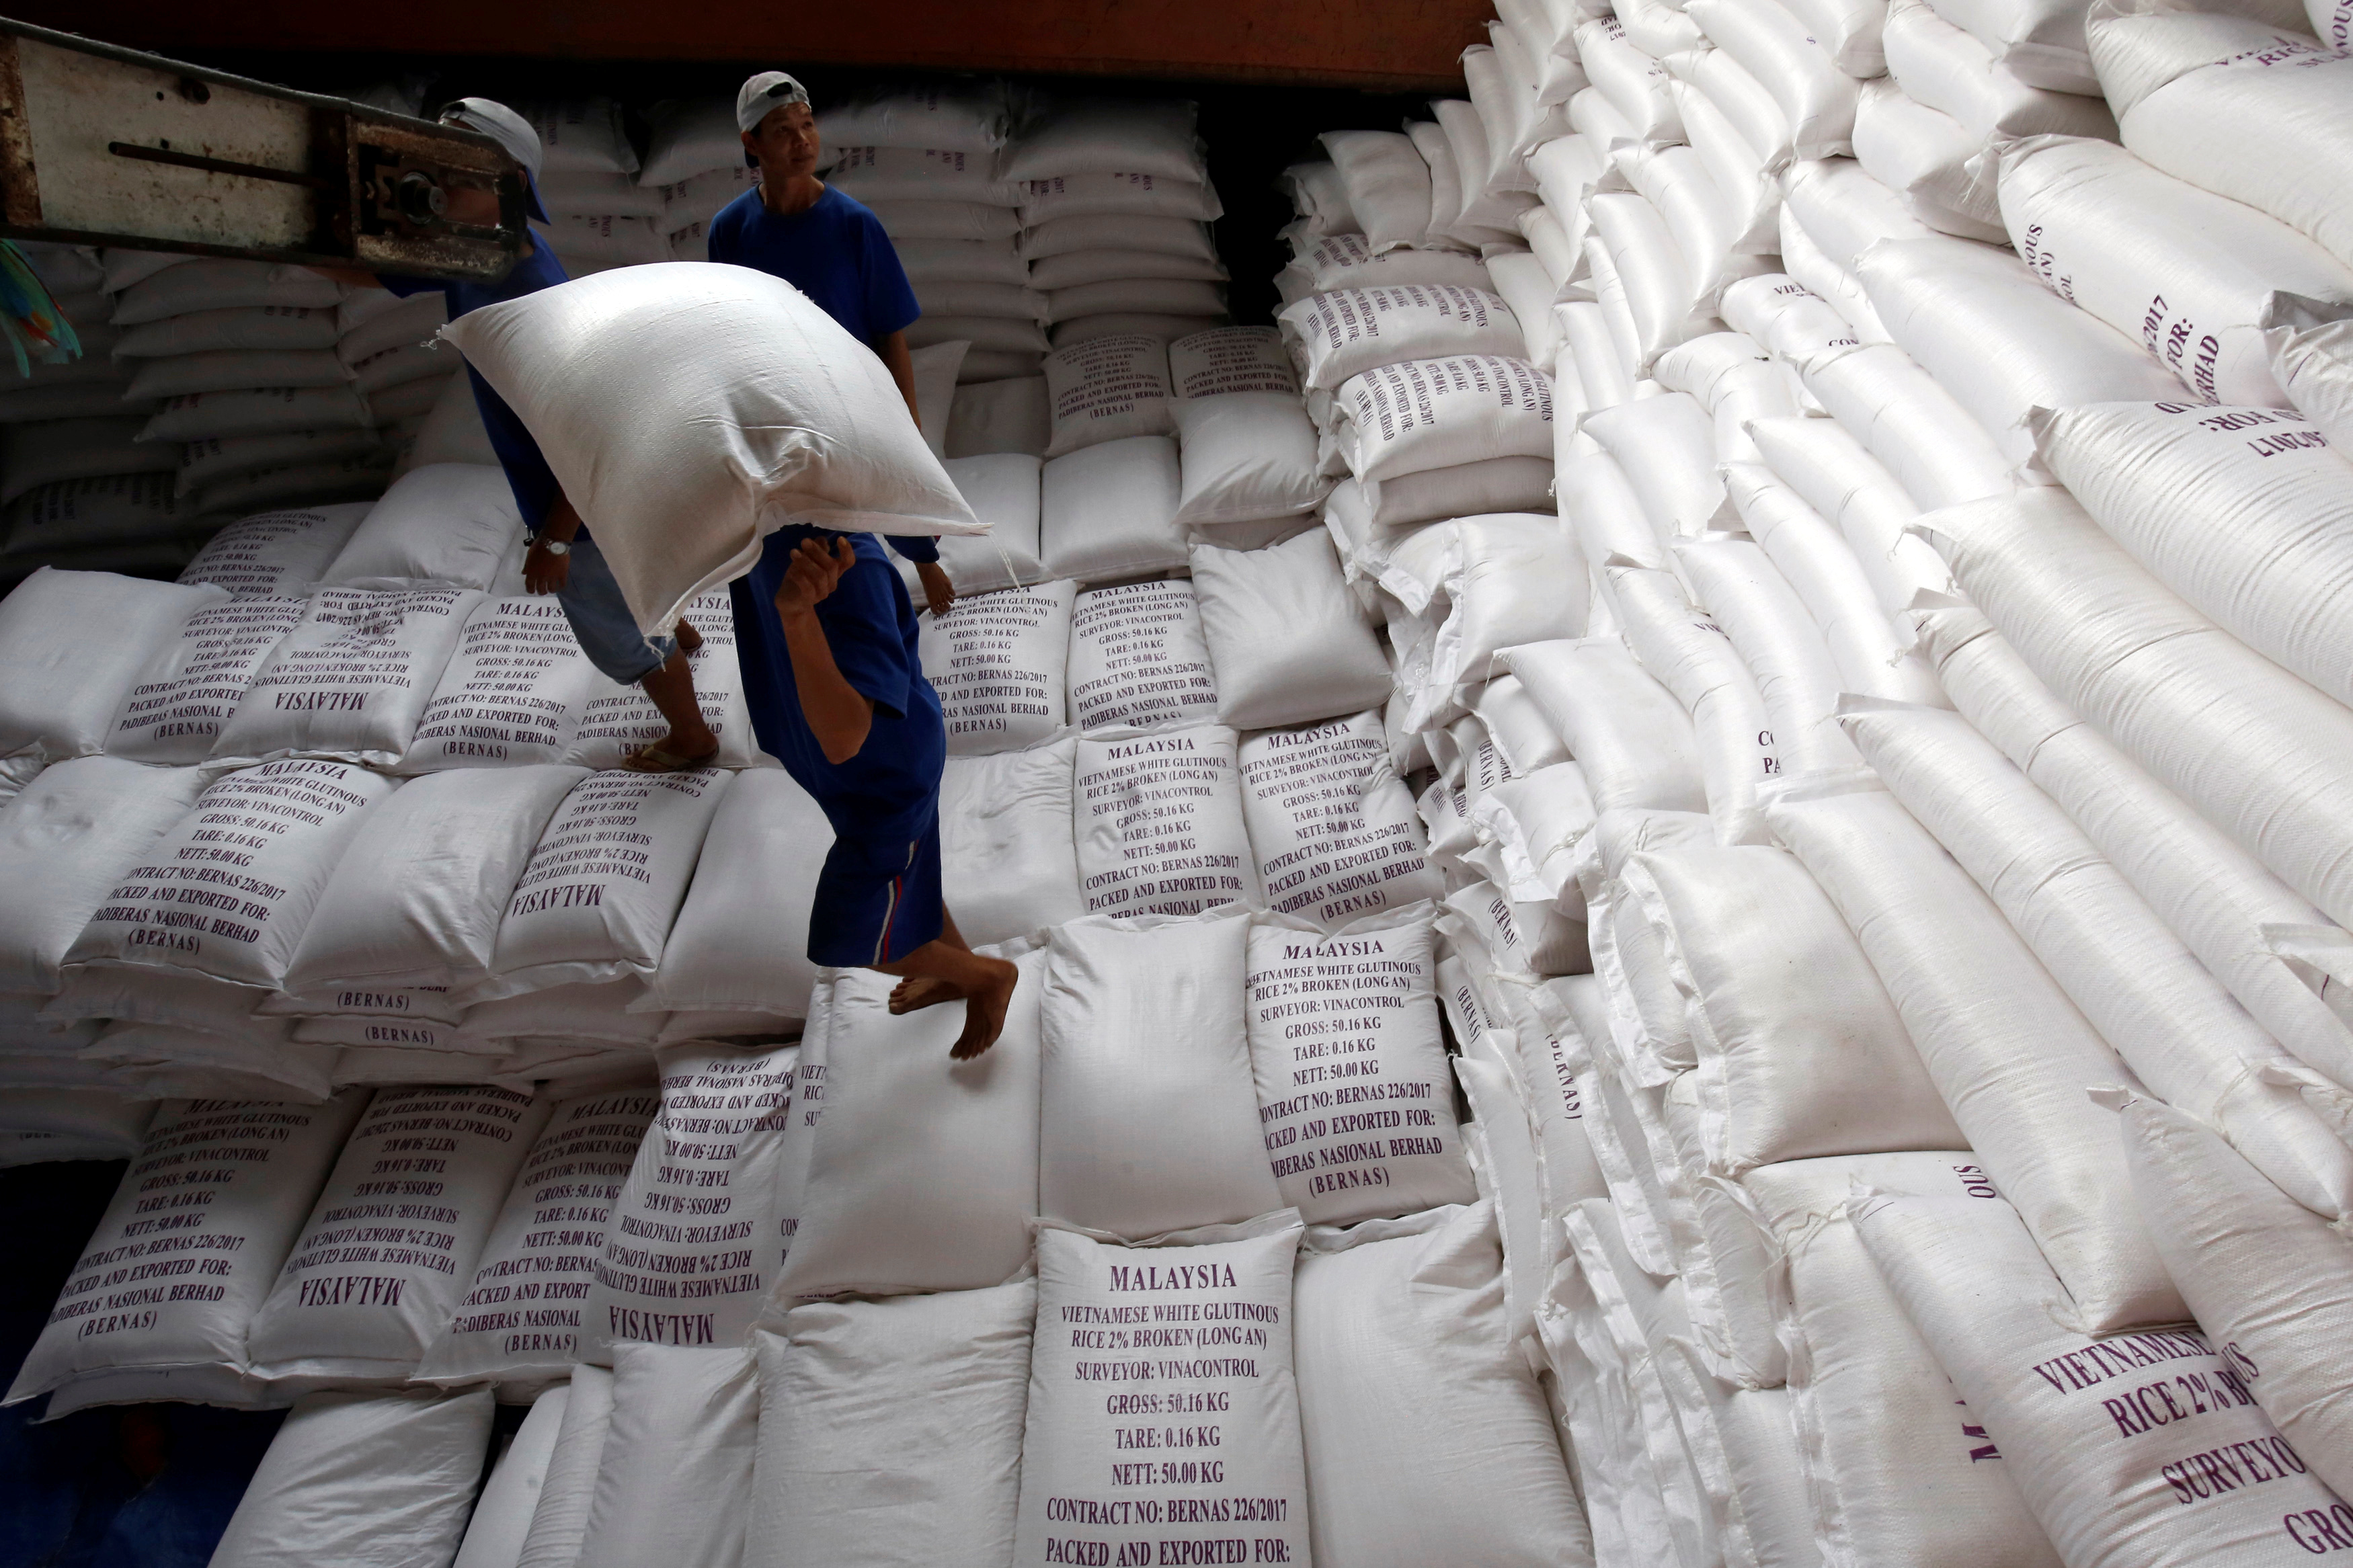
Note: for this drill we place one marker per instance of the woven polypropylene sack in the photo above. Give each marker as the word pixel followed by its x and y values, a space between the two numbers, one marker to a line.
pixel 830 443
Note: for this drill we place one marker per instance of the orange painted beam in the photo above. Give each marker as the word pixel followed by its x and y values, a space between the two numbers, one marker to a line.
pixel 1377 45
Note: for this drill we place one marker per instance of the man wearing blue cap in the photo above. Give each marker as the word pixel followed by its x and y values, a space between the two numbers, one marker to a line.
pixel 563 560
pixel 824 630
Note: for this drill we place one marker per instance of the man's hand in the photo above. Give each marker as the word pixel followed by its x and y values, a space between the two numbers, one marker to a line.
pixel 815 573
pixel 938 592
pixel 543 572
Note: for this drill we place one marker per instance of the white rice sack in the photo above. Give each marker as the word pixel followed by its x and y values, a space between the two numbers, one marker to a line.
pixel 1665 447
pixel 75 643
pixel 1224 361
pixel 273 554
pixel 1627 732
pixel 2087 1426
pixel 444 525
pixel 830 442
pixel 72 833
pixel 560 1519
pixel 1788 1068
pixel 2173 690
pixel 1876 1413
pixel 1735 583
pixel 764 846
pixel 2196 276
pixel 694 1239
pixel 225 895
pixel 352 677
pixel 1873 659
pixel 1283 633
pixel 1977 321
pixel 1009 415
pixel 2271 1280
pixel 174 712
pixel 1441 413
pixel 2172 1021
pixel 2160 71
pixel 1216 1304
pixel 160 1060
pixel 1108 511
pixel 617 719
pixel 1138 657
pixel 1498 485
pixel 1149 1121
pixel 999 662
pixel 1457 1453
pixel 376 1275
pixel 417 899
pixel 597 897
pixel 1002 489
pixel 568 1017
pixel 924 1173
pixel 1246 455
pixel 500 1521
pixel 938 1478
pixel 1342 333
pixel 2240 510
pixel 2209 890
pixel 1387 185
pixel 1973 997
pixel 1007 856
pixel 1157 819
pixel 1350 1067
pixel 1106 389
pixel 1502 579
pixel 1690 655
pixel 511 693
pixel 519 1320
pixel 1933 446
pixel 674 1478
pixel 1332 828
pixel 1834 474
pixel 174 1326
pixel 372 1480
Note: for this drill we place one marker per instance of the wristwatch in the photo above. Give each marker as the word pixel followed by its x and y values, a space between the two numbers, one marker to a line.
pixel 553 546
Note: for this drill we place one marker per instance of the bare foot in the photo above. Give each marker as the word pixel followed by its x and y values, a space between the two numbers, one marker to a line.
pixel 983 1013
pixel 913 996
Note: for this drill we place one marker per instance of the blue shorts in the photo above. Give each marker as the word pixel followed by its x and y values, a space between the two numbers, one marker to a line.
pixel 601 620
pixel 876 902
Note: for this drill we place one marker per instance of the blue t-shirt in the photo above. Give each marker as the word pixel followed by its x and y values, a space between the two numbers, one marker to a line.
pixel 889 790
pixel 838 255
pixel 528 475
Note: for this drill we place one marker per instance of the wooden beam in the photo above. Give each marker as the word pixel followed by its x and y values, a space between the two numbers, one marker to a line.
pixel 1385 46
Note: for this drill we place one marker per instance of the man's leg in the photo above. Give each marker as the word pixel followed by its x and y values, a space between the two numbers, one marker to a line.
pixel 671 687
pixel 945 969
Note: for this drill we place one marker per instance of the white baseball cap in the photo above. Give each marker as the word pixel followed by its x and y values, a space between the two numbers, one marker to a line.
pixel 509 131
pixel 767 91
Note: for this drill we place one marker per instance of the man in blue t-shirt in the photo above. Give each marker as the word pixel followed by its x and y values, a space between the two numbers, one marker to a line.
pixel 795 227
pixel 562 560
pixel 824 629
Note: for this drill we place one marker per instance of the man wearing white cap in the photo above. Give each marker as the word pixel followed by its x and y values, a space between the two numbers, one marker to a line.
pixel 795 227
pixel 563 560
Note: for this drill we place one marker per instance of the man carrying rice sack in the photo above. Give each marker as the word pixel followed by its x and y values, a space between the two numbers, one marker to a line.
pixel 795 227
pixel 563 560
pixel 837 693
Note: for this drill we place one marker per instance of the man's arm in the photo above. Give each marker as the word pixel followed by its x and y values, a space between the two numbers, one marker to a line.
pixel 543 572
pixel 838 715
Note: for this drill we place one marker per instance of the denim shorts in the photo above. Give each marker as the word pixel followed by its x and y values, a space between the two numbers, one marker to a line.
pixel 601 620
